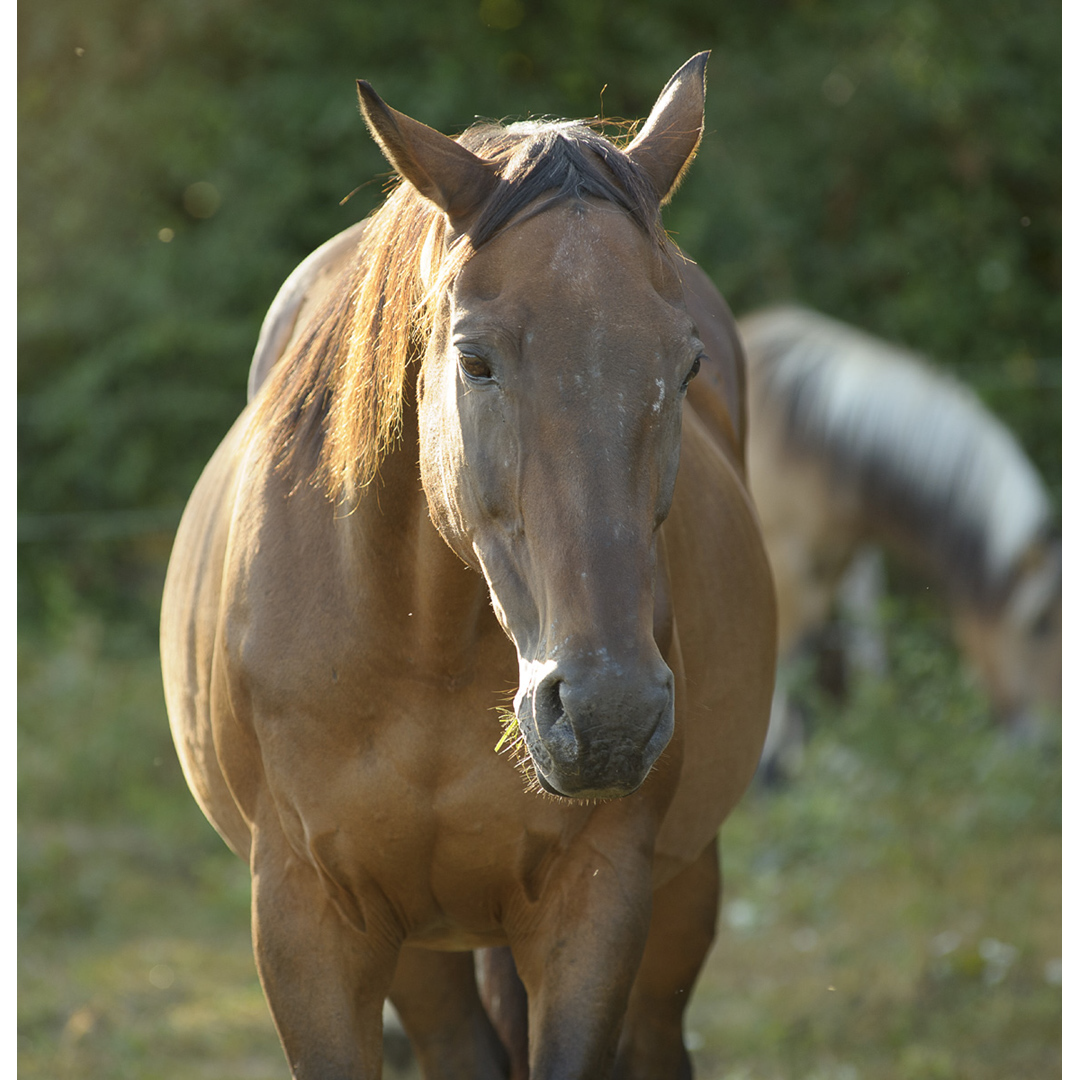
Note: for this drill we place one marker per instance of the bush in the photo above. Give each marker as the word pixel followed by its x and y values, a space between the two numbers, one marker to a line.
pixel 894 164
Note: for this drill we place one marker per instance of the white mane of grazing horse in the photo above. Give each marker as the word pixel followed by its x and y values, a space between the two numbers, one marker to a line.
pixel 853 442
pixel 913 441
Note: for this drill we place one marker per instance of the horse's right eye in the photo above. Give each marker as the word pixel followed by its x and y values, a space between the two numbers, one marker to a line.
pixel 475 367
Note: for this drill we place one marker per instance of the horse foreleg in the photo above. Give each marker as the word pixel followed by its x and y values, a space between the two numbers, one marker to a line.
pixel 436 997
pixel 507 1004
pixel 577 956
pixel 324 979
pixel 681 933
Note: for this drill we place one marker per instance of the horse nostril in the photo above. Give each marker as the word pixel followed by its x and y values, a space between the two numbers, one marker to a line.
pixel 555 721
pixel 553 694
pixel 548 704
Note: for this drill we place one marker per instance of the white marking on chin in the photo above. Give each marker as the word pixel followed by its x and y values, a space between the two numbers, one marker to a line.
pixel 660 400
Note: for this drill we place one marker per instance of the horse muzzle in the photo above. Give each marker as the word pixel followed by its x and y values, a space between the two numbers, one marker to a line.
pixel 594 730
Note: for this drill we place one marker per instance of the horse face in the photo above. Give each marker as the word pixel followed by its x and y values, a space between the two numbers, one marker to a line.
pixel 1017 650
pixel 550 419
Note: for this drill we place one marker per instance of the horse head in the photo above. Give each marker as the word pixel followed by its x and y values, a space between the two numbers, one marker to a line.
pixel 1015 646
pixel 550 405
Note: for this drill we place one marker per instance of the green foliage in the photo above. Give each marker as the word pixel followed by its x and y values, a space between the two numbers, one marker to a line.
pixel 918 743
pixel 892 162
pixel 897 165
pixel 101 794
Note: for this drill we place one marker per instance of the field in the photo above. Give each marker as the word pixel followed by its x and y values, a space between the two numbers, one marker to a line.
pixel 892 913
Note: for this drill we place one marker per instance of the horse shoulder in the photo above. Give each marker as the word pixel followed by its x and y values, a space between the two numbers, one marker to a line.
pixel 260 639
pixel 251 617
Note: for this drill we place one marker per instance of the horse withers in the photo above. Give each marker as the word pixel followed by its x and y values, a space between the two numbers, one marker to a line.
pixel 482 463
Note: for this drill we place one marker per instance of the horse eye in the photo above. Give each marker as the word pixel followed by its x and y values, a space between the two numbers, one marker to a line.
pixel 694 369
pixel 475 367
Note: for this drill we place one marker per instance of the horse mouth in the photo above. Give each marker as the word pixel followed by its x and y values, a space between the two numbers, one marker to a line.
pixel 586 794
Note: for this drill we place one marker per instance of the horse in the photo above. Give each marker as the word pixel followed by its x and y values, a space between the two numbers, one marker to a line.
pixel 854 441
pixel 468 633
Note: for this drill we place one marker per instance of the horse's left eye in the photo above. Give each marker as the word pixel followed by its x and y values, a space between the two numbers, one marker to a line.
pixel 694 369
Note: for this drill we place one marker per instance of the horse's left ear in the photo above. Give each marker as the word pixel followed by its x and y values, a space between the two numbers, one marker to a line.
pixel 453 178
pixel 666 145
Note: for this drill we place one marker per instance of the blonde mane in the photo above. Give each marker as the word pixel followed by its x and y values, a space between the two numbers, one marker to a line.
pixel 335 402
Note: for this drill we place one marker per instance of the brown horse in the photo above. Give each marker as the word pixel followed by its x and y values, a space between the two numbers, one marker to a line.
pixel 461 478
pixel 854 441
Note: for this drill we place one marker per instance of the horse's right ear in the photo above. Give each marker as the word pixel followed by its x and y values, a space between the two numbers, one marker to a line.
pixel 453 178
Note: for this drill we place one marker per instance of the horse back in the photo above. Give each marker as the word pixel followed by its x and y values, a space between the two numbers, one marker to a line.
pixel 300 296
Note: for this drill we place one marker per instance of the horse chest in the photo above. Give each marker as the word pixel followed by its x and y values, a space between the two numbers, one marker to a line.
pixel 409 806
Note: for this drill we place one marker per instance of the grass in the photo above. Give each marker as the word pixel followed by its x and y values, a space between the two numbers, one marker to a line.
pixel 135 957
pixel 893 913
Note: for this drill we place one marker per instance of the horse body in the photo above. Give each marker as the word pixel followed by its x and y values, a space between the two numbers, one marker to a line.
pixel 854 441
pixel 332 666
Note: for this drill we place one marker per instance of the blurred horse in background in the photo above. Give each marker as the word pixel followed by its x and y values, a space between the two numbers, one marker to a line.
pixel 853 442
pixel 495 440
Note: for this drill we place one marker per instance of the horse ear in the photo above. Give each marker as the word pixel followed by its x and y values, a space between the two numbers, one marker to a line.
pixel 453 178
pixel 666 145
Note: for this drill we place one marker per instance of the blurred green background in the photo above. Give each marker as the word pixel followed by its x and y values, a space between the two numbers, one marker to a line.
pixel 895 163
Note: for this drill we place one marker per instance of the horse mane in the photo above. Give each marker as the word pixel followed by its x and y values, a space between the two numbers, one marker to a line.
pixel 925 459
pixel 336 404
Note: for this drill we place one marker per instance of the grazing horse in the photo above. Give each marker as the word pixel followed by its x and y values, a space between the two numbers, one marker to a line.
pixel 853 441
pixel 482 464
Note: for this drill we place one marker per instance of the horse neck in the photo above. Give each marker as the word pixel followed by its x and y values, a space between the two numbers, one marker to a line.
pixel 409 573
